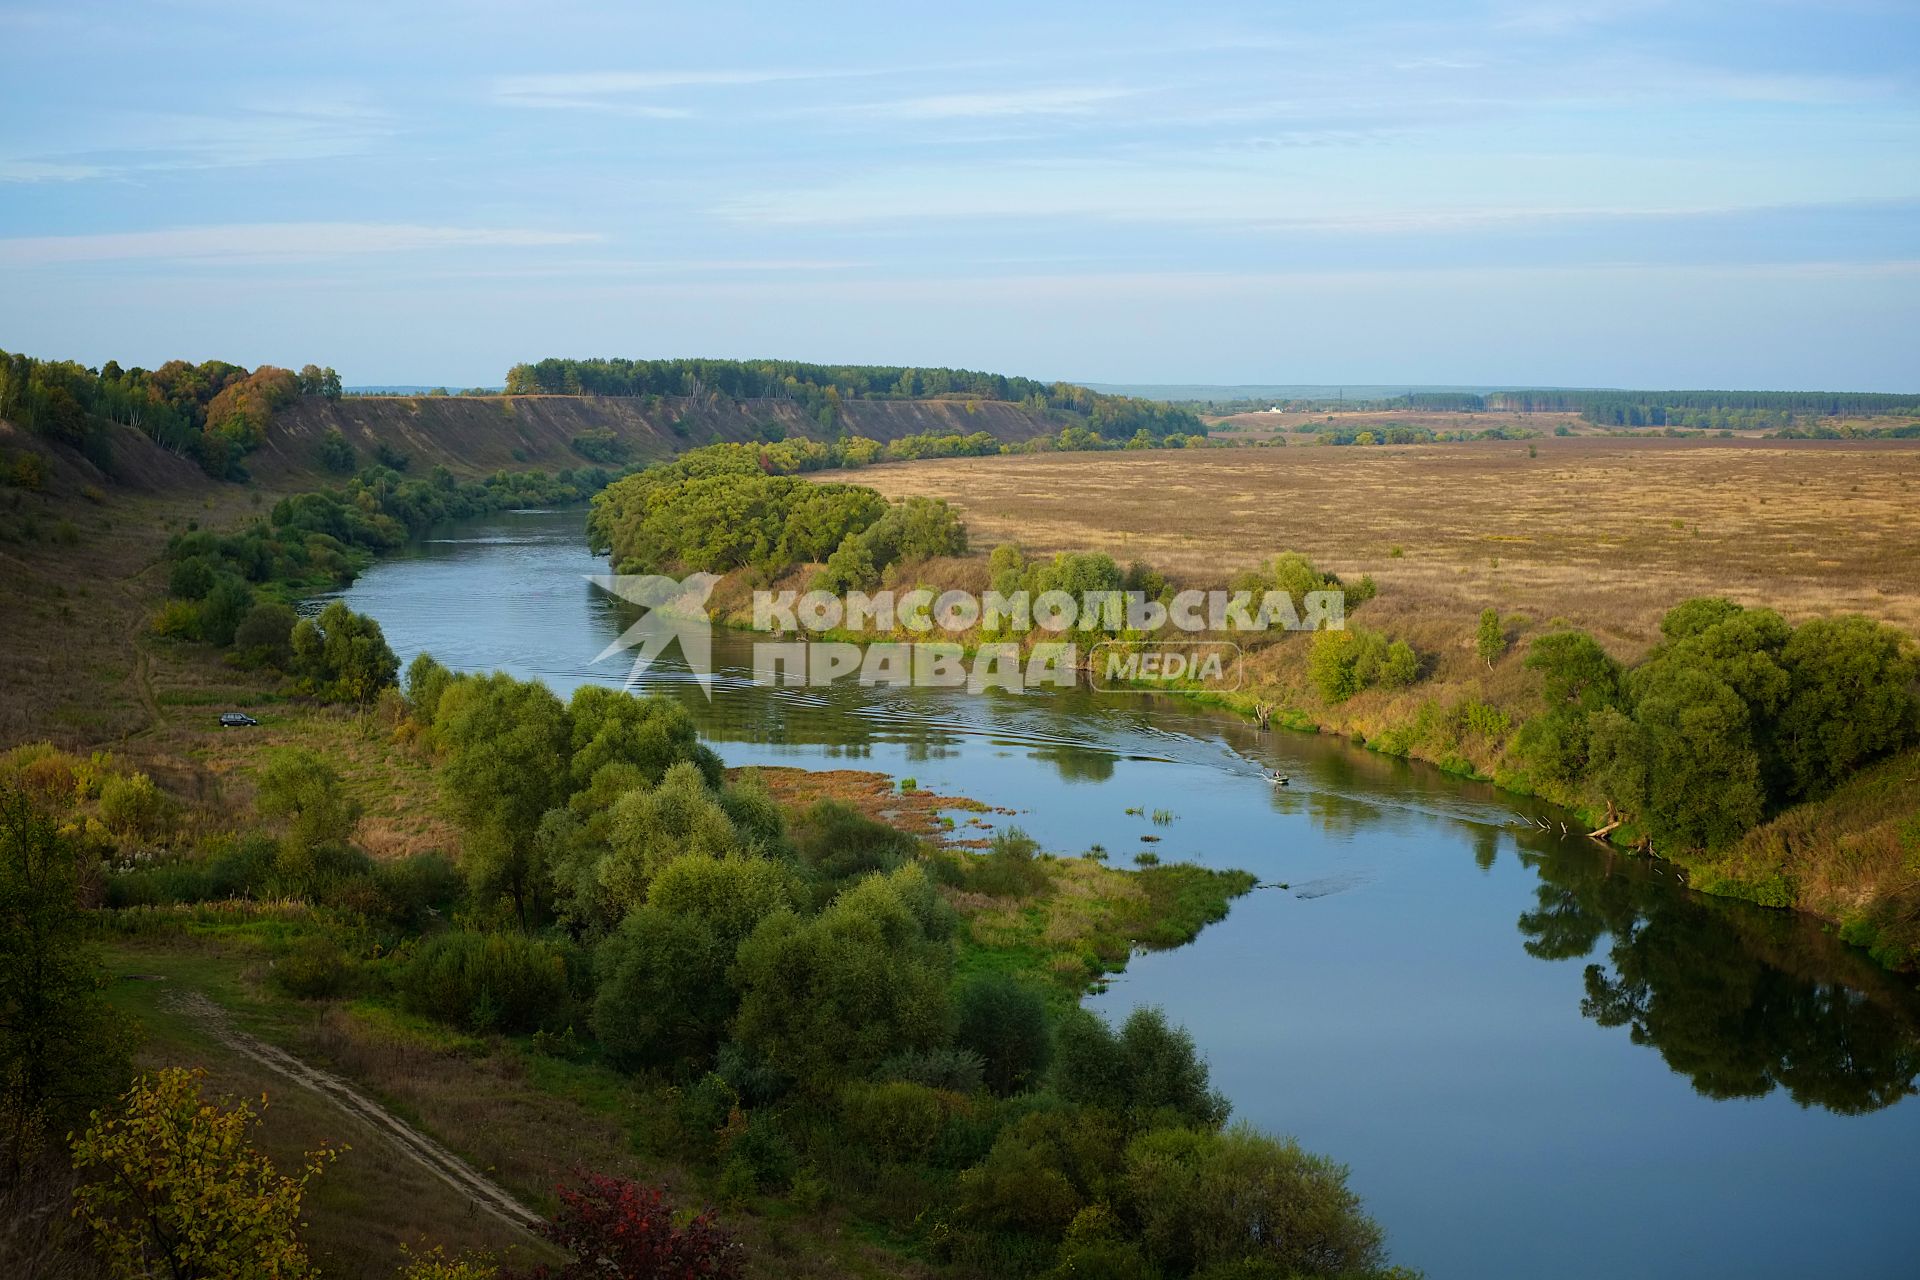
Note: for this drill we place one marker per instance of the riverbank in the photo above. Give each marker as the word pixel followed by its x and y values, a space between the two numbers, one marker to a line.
pixel 1432 942
pixel 319 973
pixel 1467 710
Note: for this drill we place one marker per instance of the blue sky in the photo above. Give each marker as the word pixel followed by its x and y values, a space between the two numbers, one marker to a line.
pixel 1569 192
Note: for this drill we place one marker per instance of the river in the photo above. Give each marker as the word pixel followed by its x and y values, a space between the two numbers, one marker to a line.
pixel 1539 1057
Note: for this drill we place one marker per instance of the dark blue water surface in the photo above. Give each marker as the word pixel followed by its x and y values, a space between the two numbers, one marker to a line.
pixel 1541 1059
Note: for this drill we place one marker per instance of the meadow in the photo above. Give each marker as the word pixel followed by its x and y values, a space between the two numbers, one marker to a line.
pixel 1604 532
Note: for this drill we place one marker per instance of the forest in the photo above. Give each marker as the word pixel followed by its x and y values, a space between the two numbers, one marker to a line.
pixel 822 388
pixel 213 412
pixel 1615 407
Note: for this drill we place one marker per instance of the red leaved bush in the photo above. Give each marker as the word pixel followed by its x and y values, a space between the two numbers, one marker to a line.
pixel 617 1228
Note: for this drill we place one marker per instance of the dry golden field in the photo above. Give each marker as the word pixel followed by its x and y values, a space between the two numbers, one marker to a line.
pixel 1604 532
pixel 1261 424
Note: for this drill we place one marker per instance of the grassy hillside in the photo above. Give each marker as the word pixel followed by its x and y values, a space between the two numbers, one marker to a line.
pixel 476 435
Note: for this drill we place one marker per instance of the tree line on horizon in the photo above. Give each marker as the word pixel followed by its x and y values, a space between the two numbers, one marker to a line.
pixel 1617 407
pixel 823 389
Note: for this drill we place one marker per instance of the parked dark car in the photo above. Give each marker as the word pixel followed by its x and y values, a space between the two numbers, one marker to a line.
pixel 237 720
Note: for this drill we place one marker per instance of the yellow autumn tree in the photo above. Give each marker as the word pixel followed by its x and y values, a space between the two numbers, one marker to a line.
pixel 172 1186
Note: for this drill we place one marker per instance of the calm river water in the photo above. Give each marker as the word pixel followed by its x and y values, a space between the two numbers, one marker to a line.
pixel 1541 1059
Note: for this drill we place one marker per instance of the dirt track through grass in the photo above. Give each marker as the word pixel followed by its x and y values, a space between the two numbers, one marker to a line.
pixel 422 1150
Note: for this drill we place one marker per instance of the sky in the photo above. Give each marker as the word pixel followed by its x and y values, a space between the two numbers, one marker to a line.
pixel 1539 192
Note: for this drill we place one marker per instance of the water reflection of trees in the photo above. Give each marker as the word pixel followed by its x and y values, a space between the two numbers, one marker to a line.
pixel 1076 763
pixel 1740 1001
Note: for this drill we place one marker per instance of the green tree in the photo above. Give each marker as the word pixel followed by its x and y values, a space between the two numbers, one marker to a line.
pixel 1690 617
pixel 1578 679
pixel 1491 642
pixel 661 996
pixel 652 734
pixel 1850 698
pixel 60 1050
pixel 223 609
pixel 304 789
pixel 342 656
pixel 1701 779
pixel 1399 666
pixel 1005 1022
pixel 1575 670
pixel 265 636
pixel 131 805
pixel 1208 1199
pixel 506 750
pixel 192 578
pixel 1331 662
pixel 336 455
pixel 1147 1067
pixel 849 568
pixel 839 993
pixel 426 681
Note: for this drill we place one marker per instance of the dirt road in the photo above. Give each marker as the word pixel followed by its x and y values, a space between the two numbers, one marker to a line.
pixel 417 1146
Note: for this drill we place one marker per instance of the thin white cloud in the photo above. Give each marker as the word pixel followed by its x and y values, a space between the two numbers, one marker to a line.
pixel 1062 101
pixel 614 90
pixel 269 241
pixel 121 144
pixel 47 171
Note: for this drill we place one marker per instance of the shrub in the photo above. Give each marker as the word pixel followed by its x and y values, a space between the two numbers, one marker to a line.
pixel 1399 667
pixel 950 1070
pixel 335 453
pixel 192 578
pixel 757 1154
pixel 613 1227
pixel 177 620
pixel 840 842
pixel 1147 1067
pixel 1487 721
pixel 314 968
pixel 1006 1024
pixel 1011 868
pixel 1330 664
pixel 416 887
pixel 132 805
pixel 895 1120
pixel 486 982
pixel 662 995
pixel 265 636
pixel 437 1264
pixel 602 446
pixel 1210 1199
pixel 29 472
